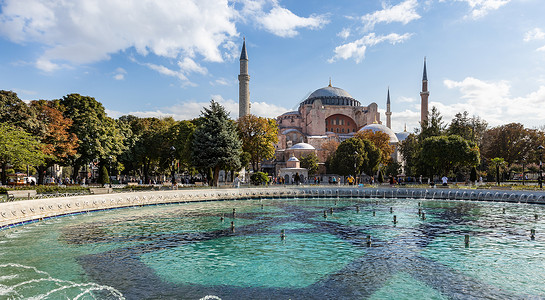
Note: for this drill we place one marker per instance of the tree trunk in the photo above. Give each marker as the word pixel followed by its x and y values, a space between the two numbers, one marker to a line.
pixel 41 174
pixel 215 177
pixel 4 174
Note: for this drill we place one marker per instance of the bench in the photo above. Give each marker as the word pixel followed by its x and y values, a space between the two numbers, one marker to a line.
pixel 103 190
pixel 21 194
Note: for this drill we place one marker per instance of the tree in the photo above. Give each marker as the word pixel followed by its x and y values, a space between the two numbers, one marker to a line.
pixel 381 140
pixel 443 154
pixel 511 142
pixel 58 143
pixel 182 135
pixel 433 126
pixel 310 162
pixel 258 136
pixel 18 147
pixel 98 135
pixel 471 129
pixel 15 112
pixel 355 155
pixel 216 144
pixel 410 150
pixel 497 165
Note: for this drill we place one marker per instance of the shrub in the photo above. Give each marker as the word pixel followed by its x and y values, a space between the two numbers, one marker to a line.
pixel 259 178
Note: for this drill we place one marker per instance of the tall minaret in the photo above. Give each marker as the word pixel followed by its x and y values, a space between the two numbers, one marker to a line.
pixel 388 112
pixel 243 84
pixel 424 95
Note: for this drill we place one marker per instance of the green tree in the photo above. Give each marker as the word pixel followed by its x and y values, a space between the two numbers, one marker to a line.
pixel 433 126
pixel 310 162
pixel 258 136
pixel 355 155
pixel 18 148
pixel 410 150
pixel 443 154
pixel 216 144
pixel 98 135
pixel 58 143
pixel 471 129
pixel 16 113
pixel 497 166
pixel 381 140
pixel 182 134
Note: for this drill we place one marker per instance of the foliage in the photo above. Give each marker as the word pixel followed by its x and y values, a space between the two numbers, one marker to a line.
pixel 258 178
pixel 393 168
pixel 258 136
pixel 182 135
pixel 473 175
pixel 98 135
pixel 443 154
pixel 471 129
pixel 498 165
pixel 216 145
pixel 18 147
pixel 433 126
pixel 103 176
pixel 513 143
pixel 59 144
pixel 410 150
pixel 355 155
pixel 310 162
pixel 16 113
pixel 381 141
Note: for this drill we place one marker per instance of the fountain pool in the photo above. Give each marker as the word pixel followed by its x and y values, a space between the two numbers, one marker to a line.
pixel 347 248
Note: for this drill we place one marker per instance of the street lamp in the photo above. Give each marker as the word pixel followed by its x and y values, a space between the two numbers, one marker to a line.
pixel 540 149
pixel 355 167
pixel 110 170
pixel 172 154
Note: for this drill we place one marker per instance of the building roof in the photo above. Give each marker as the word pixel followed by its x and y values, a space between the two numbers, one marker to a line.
pixel 379 127
pixel 293 158
pixel 302 146
pixel 331 95
pixel 401 136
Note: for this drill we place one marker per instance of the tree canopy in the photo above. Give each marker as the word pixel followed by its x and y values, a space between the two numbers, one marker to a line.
pixel 216 145
pixel 355 155
pixel 443 154
pixel 258 136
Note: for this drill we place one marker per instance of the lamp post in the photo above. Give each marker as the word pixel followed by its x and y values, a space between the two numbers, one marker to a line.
pixel 110 170
pixel 172 155
pixel 540 149
pixel 355 167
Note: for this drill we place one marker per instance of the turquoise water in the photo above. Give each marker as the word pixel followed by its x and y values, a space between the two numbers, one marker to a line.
pixel 191 251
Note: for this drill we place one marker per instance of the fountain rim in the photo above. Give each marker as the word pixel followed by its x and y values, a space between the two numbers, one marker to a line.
pixel 23 212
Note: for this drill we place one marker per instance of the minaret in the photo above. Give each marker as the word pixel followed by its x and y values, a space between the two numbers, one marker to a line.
pixel 243 84
pixel 388 112
pixel 424 95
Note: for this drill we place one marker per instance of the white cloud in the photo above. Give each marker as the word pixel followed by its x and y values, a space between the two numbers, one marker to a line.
pixel 480 8
pixel 267 110
pixel 356 49
pixel 187 65
pixel 541 49
pixel 222 81
pixel 534 34
pixel 279 20
pixel 345 33
pixel 404 13
pixel 406 99
pixel 120 74
pixel 493 102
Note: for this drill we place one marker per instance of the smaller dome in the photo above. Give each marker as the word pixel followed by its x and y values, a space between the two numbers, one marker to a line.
pixel 293 158
pixel 302 146
pixel 379 127
pixel 401 136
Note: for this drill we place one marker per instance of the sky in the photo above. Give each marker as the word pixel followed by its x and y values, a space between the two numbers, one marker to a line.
pixel 156 58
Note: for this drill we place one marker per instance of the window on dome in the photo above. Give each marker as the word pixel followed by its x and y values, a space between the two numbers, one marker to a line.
pixel 348 123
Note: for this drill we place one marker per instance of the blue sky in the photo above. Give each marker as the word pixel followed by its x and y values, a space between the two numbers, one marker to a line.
pixel 169 58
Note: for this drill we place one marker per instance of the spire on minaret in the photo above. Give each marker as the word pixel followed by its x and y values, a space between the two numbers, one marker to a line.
pixel 425 75
pixel 329 82
pixel 388 111
pixel 243 54
pixel 243 84
pixel 424 96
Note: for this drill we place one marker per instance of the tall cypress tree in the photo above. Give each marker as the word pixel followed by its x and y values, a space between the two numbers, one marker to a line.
pixel 216 145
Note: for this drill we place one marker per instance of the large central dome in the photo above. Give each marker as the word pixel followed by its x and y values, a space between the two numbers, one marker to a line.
pixel 330 95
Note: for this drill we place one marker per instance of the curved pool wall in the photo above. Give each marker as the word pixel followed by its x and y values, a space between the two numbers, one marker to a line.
pixel 21 212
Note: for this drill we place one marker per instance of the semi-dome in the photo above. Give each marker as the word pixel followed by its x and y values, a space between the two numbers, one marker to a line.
pixel 293 158
pixel 331 95
pixel 401 136
pixel 302 146
pixel 379 127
